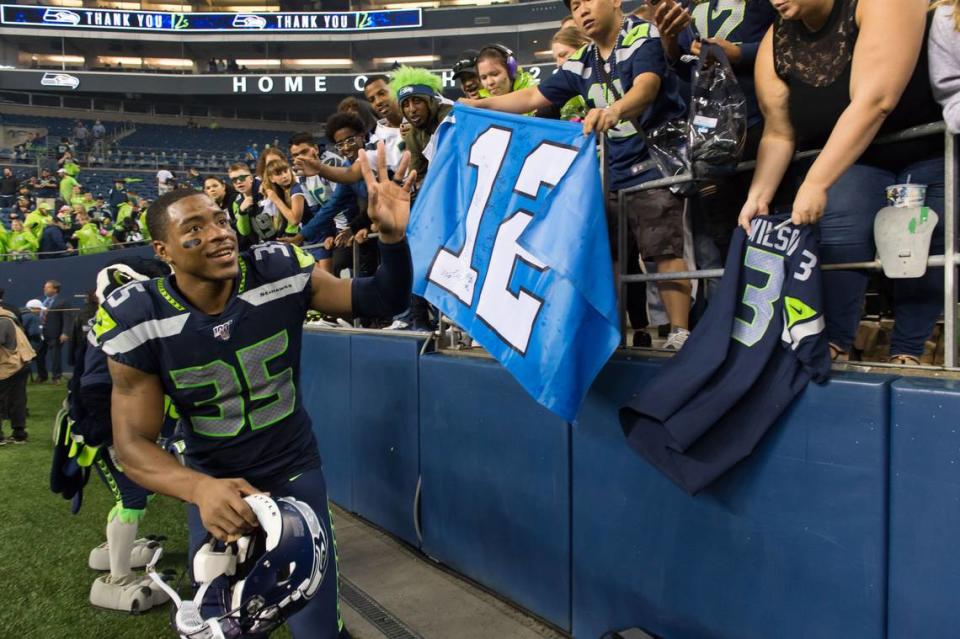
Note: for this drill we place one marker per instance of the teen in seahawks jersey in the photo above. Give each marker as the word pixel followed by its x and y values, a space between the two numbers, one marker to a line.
pixel 629 90
pixel 222 338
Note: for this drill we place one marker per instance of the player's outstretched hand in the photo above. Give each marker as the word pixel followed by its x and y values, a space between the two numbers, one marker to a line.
pixel 388 200
pixel 222 509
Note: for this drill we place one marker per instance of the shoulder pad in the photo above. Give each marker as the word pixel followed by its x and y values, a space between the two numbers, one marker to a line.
pixel 273 260
pixel 129 305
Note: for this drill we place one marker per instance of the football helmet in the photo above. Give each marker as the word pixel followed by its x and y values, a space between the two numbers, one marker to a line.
pixel 125 270
pixel 270 573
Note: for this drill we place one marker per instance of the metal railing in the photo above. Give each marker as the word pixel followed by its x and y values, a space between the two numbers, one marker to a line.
pixel 950 256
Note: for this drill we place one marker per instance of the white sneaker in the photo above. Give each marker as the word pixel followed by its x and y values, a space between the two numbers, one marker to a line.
pixel 676 339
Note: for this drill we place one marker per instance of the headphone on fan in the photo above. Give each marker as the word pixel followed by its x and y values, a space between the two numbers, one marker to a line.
pixel 509 58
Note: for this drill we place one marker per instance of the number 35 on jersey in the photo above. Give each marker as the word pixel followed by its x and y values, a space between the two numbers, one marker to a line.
pixel 509 240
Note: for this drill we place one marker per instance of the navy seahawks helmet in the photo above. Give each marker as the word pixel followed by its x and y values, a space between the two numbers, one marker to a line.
pixel 271 573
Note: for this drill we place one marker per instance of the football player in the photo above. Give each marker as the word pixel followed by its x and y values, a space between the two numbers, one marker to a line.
pixel 222 337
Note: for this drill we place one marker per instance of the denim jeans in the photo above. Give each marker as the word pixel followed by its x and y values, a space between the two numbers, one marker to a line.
pixel 846 235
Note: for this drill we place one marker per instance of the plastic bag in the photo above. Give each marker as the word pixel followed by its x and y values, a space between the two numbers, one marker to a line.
pixel 709 143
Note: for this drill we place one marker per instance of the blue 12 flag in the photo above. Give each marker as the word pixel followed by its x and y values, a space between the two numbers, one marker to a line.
pixel 509 240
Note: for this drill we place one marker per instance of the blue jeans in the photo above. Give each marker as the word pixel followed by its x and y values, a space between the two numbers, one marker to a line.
pixel 846 235
pixel 320 619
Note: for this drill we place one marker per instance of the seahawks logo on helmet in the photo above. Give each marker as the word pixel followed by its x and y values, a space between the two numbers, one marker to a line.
pixel 270 573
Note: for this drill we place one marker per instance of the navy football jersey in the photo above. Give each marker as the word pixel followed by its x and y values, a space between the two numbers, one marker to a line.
pixel 759 343
pixel 234 377
pixel 638 51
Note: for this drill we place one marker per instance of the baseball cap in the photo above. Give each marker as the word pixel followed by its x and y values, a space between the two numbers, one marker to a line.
pixel 466 64
pixel 34 304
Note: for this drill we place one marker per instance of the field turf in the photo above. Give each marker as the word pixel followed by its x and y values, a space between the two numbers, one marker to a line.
pixel 44 578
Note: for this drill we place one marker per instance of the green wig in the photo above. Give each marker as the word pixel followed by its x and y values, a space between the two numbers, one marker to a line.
pixel 410 76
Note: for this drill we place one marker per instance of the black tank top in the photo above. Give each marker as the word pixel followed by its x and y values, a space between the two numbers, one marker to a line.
pixel 817 66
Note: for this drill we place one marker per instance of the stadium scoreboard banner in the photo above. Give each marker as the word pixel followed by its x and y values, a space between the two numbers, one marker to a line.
pixel 208 84
pixel 154 21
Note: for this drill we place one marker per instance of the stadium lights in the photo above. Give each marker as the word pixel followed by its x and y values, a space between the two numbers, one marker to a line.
pixel 179 63
pixel 65 59
pixel 250 9
pixel 434 4
pixel 411 5
pixel 259 64
pixel 172 8
pixel 125 60
pixel 123 6
pixel 407 59
pixel 67 3
pixel 318 62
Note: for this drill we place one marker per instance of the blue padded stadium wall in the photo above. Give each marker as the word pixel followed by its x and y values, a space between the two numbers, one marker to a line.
pixel 496 483
pixel 790 543
pixel 349 382
pixel 24 280
pixel 842 523
pixel 924 508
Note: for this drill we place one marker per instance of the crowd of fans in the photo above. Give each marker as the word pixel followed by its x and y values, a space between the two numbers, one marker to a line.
pixel 806 69
pixel 802 64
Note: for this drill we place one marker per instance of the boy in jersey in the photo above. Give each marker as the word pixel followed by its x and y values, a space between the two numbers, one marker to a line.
pixel 222 338
pixel 624 78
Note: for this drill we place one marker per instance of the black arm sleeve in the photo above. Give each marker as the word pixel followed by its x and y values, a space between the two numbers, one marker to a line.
pixel 387 292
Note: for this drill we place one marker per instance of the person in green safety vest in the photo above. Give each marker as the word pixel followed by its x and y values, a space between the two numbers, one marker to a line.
pixel 68 180
pixel 37 219
pixel 78 199
pixel 144 229
pixel 21 244
pixel 88 237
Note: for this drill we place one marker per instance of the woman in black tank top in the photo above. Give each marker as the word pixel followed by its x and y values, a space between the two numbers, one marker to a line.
pixel 835 74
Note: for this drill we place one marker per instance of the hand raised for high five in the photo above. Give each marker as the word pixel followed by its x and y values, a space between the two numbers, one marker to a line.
pixel 388 200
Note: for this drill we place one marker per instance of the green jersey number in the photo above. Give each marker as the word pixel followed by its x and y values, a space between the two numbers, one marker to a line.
pixel 759 299
pixel 602 97
pixel 227 393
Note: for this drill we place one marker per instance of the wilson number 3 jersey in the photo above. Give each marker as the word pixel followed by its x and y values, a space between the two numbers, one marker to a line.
pixel 759 343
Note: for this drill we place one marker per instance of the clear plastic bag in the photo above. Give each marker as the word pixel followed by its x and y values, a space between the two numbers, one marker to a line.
pixel 709 143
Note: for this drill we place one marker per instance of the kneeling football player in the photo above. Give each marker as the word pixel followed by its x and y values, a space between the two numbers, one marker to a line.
pixel 222 337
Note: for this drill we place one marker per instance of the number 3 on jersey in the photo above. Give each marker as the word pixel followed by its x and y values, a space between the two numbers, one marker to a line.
pixel 510 316
pixel 759 299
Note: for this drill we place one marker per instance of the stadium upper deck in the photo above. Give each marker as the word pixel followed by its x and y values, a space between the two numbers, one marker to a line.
pixel 259 39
